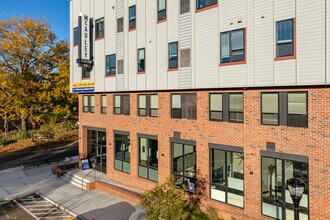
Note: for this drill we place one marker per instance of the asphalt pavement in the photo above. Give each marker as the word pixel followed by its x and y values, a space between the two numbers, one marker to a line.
pixel 33 156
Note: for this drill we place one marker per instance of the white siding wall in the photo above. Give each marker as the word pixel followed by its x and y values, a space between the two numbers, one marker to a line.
pixel 201 33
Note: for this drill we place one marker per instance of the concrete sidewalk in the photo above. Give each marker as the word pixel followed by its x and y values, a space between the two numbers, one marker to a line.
pixel 15 183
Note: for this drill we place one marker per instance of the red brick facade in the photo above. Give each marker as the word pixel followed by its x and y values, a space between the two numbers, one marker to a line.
pixel 313 142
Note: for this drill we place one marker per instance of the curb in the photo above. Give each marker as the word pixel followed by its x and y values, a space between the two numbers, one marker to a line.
pixel 61 207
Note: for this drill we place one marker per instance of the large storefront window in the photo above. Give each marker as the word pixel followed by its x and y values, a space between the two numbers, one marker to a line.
pixel 276 200
pixel 97 149
pixel 184 166
pixel 122 153
pixel 227 177
pixel 148 159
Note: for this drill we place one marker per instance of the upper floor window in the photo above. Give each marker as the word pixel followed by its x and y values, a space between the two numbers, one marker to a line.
pixel 236 107
pixel 103 104
pixel 120 25
pixel 185 58
pixel 85 72
pixel 184 6
pixel 75 36
pixel 132 17
pixel 227 177
pixel 148 105
pixel 99 28
pixel 297 109
pixel 110 65
pixel 285 38
pixel 184 106
pixel 88 103
pixel 232 46
pixel 269 109
pixel 121 104
pixel 141 60
pixel 205 3
pixel 216 107
pixel 173 55
pixel 161 9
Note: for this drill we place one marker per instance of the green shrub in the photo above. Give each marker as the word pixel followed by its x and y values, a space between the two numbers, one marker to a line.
pixel 46 130
pixel 168 202
pixel 69 126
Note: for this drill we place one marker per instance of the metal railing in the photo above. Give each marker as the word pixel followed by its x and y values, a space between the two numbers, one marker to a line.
pixel 82 181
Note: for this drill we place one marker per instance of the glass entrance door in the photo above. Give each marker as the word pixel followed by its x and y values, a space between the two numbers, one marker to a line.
pixel 96 142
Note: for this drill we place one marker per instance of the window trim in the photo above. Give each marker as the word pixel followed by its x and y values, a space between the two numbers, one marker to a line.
pixel 114 151
pixel 292 57
pixel 283 157
pixel 226 149
pixel 78 36
pixel 206 8
pixel 164 19
pixel 182 106
pixel 278 109
pixel 103 109
pixel 148 137
pixel 148 105
pixel 177 57
pixel 138 61
pixel 115 67
pixel 122 108
pixel 133 20
pixel 96 30
pixel 232 93
pixel 89 107
pixel 230 63
pixel 293 92
pixel 215 93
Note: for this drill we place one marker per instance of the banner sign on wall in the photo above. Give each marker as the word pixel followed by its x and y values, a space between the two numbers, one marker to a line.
pixel 83 87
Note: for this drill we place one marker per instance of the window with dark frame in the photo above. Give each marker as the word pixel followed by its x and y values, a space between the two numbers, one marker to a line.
pixel 110 65
pixel 148 105
pixel 132 17
pixel 99 28
pixel 122 153
pixel 185 58
pixel 285 38
pixel 297 109
pixel 120 25
pixel 161 5
pixel 236 107
pixel 75 36
pixel 103 104
pixel 276 200
pixel 205 3
pixel 148 159
pixel 232 46
pixel 184 166
pixel 269 109
pixel 216 112
pixel 173 55
pixel 184 6
pixel 88 103
pixel 227 177
pixel 184 106
pixel 121 104
pixel 85 73
pixel 141 60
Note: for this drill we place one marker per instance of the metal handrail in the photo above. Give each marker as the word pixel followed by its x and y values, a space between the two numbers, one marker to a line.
pixel 82 181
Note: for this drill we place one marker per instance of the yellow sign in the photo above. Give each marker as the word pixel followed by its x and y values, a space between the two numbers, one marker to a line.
pixel 83 85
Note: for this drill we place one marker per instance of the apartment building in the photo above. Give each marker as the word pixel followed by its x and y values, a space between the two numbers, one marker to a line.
pixel 228 97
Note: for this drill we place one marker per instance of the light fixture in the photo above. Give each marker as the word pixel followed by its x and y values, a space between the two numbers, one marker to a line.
pixel 296 188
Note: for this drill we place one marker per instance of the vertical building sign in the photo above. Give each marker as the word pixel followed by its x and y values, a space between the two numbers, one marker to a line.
pixel 84 57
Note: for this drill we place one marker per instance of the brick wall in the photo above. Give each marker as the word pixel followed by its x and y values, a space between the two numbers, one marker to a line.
pixel 313 142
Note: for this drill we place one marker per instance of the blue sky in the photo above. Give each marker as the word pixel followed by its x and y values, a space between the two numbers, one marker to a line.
pixel 56 12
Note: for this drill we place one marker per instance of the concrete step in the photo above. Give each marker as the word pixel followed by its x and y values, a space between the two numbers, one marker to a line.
pixel 76 180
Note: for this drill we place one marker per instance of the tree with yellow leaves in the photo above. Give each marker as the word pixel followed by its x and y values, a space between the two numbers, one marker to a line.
pixel 34 73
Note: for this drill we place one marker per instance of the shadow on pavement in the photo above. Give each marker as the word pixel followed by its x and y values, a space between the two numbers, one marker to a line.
pixel 117 211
